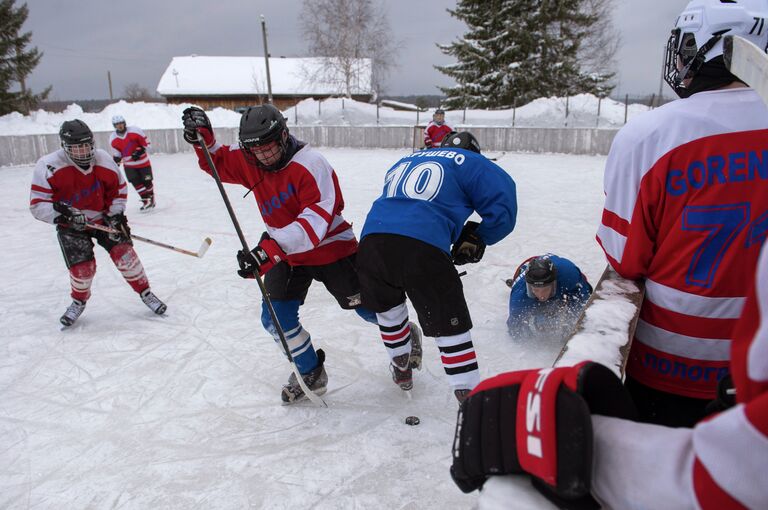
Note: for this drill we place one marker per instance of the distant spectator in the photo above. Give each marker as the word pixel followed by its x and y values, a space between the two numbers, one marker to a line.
pixel 436 130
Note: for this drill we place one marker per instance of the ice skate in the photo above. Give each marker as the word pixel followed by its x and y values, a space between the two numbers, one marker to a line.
pixel 316 380
pixel 461 395
pixel 415 359
pixel 403 377
pixel 147 203
pixel 153 302
pixel 73 312
pixel 402 366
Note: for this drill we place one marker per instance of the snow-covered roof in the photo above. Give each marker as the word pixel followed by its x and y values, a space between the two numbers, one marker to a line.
pixel 199 75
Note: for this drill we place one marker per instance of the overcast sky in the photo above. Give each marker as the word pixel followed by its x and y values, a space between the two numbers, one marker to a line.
pixel 135 40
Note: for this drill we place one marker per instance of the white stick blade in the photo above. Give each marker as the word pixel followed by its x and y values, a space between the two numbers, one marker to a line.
pixel 749 63
pixel 204 247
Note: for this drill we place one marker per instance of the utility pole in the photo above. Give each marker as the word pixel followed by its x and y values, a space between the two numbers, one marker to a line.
pixel 266 58
pixel 109 80
pixel 661 79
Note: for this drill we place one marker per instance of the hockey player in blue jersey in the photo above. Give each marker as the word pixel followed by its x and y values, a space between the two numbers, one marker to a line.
pixel 546 298
pixel 405 250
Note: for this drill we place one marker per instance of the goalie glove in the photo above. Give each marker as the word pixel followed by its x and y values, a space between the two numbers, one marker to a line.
pixel 537 422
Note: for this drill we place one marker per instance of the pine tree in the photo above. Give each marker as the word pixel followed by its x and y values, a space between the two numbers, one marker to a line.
pixel 516 51
pixel 16 63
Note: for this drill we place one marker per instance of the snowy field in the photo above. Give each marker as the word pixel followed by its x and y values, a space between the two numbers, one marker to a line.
pixel 130 410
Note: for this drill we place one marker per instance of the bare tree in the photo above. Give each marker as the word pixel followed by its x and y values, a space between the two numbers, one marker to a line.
pixel 346 31
pixel 597 52
pixel 135 92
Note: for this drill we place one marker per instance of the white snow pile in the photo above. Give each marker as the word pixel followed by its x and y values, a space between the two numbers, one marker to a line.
pixel 582 111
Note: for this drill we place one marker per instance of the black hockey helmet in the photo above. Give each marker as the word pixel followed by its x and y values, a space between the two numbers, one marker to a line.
pixel 463 140
pixel 260 126
pixel 541 274
pixel 77 141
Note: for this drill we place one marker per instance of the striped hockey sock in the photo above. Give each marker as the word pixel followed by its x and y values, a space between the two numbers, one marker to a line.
pixel 395 331
pixel 459 361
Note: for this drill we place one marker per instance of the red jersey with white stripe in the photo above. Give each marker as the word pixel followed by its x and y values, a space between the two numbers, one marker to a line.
pixel 722 463
pixel 301 204
pixel 98 190
pixel 124 144
pixel 686 208
pixel 434 134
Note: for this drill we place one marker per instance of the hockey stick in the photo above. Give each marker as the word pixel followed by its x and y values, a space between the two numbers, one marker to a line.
pixel 199 253
pixel 747 61
pixel 280 333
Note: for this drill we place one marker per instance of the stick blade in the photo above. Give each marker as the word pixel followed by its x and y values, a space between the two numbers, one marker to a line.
pixel 747 61
pixel 204 247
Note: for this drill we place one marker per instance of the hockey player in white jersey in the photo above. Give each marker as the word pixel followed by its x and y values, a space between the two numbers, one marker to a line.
pixel 73 187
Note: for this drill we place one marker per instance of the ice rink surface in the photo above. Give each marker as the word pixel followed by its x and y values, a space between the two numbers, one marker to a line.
pixel 130 410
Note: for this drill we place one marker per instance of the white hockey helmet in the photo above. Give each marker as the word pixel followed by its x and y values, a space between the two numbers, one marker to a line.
pixel 118 119
pixel 698 34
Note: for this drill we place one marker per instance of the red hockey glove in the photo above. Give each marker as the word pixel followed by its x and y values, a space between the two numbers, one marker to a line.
pixel 428 143
pixel 537 422
pixel 260 259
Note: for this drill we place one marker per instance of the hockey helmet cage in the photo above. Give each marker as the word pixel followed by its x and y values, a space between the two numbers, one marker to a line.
pixel 463 140
pixel 698 35
pixel 259 126
pixel 541 274
pixel 77 141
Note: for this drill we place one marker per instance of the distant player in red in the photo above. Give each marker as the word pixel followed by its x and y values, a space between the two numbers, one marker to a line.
pixel 129 146
pixel 686 209
pixel 436 130
pixel 78 185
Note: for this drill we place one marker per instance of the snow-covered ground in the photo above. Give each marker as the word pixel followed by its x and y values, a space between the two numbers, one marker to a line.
pixel 544 112
pixel 130 410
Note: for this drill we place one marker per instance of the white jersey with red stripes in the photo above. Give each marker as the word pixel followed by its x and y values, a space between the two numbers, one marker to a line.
pixel 300 204
pixel 686 208
pixel 720 464
pixel 100 189
pixel 124 144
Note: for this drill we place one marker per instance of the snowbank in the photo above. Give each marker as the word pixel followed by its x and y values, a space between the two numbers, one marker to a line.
pixel 551 112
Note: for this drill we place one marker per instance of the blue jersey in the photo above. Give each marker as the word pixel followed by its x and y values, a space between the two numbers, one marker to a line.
pixel 558 313
pixel 430 194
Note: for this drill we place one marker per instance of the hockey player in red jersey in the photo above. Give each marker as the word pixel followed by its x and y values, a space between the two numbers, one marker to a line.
pixel 686 209
pixel 306 237
pixel 570 428
pixel 77 185
pixel 129 146
pixel 436 130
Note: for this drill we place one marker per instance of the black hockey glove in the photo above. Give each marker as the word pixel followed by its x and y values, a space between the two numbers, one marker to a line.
pixel 138 153
pixel 119 223
pixel 69 216
pixel 260 259
pixel 195 119
pixel 469 247
pixel 117 159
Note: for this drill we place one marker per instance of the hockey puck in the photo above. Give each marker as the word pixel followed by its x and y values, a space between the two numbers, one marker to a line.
pixel 412 420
